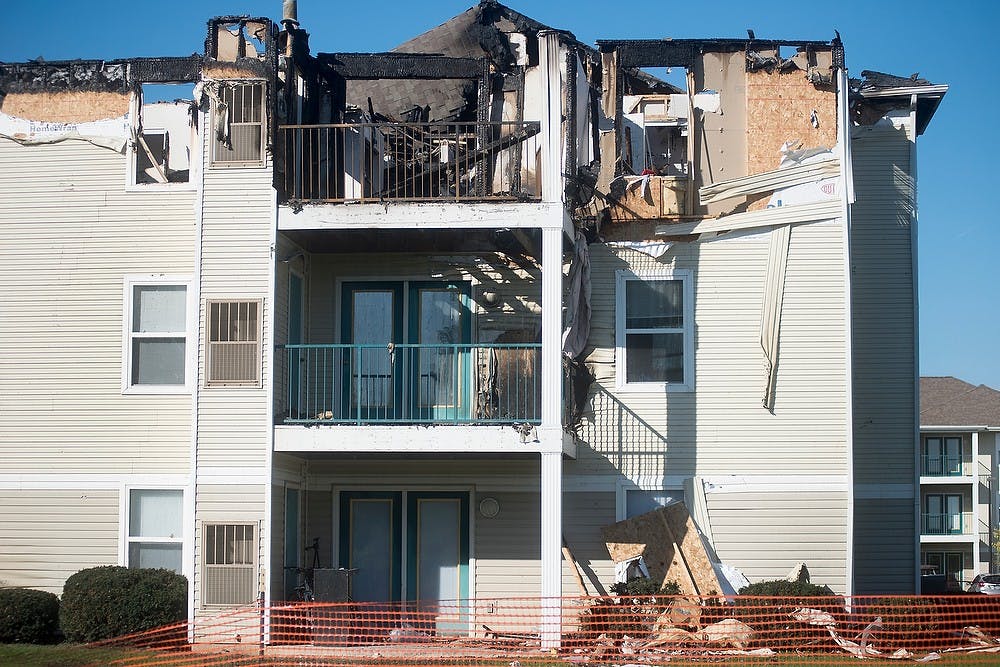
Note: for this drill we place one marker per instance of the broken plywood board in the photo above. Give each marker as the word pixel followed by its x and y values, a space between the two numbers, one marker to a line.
pixel 670 545
pixel 65 106
pixel 650 198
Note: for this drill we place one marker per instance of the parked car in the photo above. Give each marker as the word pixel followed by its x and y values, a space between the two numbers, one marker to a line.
pixel 986 583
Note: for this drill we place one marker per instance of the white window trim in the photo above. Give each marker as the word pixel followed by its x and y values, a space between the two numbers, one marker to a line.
pixel 221 384
pixel 125 514
pixel 213 161
pixel 686 277
pixel 130 282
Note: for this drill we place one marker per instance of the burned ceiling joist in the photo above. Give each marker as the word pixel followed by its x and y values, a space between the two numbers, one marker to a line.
pixel 372 66
pixel 683 52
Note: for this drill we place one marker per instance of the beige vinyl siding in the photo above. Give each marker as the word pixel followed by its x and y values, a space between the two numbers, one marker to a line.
pixel 765 533
pixel 721 427
pixel 69 234
pixel 883 303
pixel 47 535
pixel 585 513
pixel 238 229
pixel 507 548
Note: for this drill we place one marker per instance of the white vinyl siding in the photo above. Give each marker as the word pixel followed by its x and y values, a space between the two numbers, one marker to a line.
pixel 883 301
pixel 49 534
pixel 68 234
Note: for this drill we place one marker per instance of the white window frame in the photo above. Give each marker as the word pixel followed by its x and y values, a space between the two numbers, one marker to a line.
pixel 131 149
pixel 126 522
pixel 206 567
pixel 211 383
pixel 622 277
pixel 216 162
pixel 130 283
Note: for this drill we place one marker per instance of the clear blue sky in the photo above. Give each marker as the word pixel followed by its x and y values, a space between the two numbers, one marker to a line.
pixel 947 42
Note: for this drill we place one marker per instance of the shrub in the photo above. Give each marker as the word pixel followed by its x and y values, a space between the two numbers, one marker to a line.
pixel 767 605
pixel 633 613
pixel 28 616
pixel 110 601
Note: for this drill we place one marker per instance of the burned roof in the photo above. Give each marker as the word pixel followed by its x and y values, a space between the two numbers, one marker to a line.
pixel 878 92
pixel 948 401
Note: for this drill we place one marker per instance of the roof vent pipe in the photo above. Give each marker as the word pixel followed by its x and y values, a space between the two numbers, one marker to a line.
pixel 290 12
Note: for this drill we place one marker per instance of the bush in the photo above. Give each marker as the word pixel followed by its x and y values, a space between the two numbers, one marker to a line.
pixel 766 607
pixel 633 613
pixel 111 601
pixel 28 616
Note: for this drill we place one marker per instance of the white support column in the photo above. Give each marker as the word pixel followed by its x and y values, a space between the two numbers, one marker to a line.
pixel 552 330
pixel 550 67
pixel 551 508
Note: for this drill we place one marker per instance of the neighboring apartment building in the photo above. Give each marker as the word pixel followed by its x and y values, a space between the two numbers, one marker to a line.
pixel 959 455
pixel 416 306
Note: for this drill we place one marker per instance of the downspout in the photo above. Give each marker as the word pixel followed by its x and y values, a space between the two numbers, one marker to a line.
pixel 846 199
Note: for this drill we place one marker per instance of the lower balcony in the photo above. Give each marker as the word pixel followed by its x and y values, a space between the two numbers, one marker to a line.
pixel 486 398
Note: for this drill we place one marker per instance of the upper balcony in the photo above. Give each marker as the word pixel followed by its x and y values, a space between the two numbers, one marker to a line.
pixel 383 162
pixel 943 465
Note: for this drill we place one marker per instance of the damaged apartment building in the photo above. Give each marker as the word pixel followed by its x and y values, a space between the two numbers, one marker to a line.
pixel 444 308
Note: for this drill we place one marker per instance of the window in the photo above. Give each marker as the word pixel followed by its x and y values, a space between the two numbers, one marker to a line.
pixel 163 125
pixel 942 456
pixel 230 564
pixel 943 515
pixel 239 124
pixel 233 343
pixel 155 359
pixel 653 324
pixel 156 528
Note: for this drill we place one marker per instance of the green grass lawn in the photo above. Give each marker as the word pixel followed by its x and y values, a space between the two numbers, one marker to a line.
pixel 59 655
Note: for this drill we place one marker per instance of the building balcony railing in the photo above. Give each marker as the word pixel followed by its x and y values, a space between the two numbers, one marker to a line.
pixel 947 524
pixel 417 162
pixel 410 384
pixel 941 466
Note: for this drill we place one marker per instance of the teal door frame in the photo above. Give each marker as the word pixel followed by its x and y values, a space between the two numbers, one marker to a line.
pixel 405 366
pixel 347 498
pixel 412 542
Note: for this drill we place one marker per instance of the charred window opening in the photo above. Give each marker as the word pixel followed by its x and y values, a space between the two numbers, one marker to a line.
pixel 240 38
pixel 164 130
pixel 238 128
pixel 656 123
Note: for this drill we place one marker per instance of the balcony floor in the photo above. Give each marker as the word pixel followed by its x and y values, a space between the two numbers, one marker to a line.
pixel 402 439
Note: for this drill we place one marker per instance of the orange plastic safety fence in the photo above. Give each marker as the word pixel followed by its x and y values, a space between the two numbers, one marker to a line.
pixel 600 631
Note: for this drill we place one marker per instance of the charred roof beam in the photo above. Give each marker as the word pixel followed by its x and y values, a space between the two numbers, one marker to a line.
pixel 682 52
pixel 373 66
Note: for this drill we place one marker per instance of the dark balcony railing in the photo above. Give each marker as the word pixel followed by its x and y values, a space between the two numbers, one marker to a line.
pixel 941 465
pixel 958 523
pixel 433 384
pixel 379 162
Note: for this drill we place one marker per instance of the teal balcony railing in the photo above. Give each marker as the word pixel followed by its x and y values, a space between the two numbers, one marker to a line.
pixel 957 523
pixel 941 466
pixel 409 383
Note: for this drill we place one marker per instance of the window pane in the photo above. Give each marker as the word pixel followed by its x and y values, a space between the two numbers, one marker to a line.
pixel 158 361
pixel 159 308
pixel 155 513
pixel 652 304
pixel 167 556
pixel 640 501
pixel 655 357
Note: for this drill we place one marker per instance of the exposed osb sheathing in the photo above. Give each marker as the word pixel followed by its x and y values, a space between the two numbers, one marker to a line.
pixel 779 106
pixel 65 106
pixel 229 71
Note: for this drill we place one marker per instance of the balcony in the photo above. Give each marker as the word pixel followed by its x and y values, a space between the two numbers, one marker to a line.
pixel 941 466
pixel 355 384
pixel 409 162
pixel 947 524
